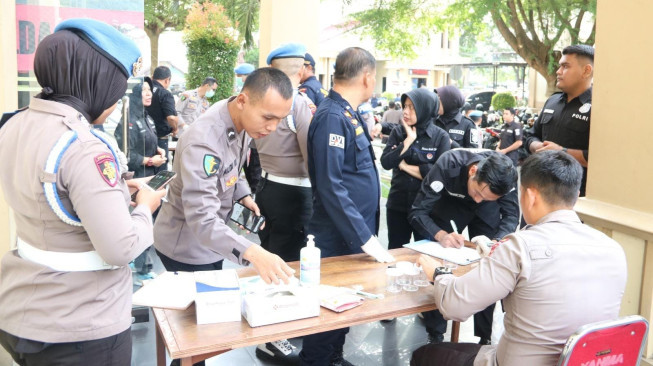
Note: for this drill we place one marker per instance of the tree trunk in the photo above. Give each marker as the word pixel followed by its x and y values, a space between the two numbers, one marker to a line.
pixel 153 35
pixel 551 81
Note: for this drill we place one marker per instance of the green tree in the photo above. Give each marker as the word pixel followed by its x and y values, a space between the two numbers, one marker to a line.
pixel 503 100
pixel 244 14
pixel 532 28
pixel 212 47
pixel 161 15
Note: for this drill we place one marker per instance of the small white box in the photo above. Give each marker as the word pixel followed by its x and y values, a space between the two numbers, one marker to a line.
pixel 269 304
pixel 218 296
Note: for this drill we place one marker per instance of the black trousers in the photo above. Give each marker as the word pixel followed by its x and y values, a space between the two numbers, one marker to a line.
pixel 433 320
pixel 445 354
pixel 317 349
pixel 115 350
pixel 287 210
pixel 399 229
pixel 172 265
pixel 252 169
pixel 162 143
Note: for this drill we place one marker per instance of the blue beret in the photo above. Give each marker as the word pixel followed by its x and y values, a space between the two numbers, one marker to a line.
pixel 308 59
pixel 476 114
pixel 288 50
pixel 244 69
pixel 108 41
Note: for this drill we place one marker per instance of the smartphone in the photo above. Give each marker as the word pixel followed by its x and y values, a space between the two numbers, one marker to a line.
pixel 246 218
pixel 159 180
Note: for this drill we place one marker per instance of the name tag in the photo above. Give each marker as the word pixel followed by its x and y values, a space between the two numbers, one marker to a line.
pixel 548 111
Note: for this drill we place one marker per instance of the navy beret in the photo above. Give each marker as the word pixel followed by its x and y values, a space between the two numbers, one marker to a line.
pixel 288 50
pixel 108 41
pixel 308 59
pixel 244 69
pixel 476 114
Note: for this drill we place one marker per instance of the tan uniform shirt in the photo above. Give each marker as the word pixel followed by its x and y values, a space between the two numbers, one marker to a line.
pixel 37 302
pixel 190 106
pixel 393 116
pixel 283 152
pixel 553 277
pixel 190 227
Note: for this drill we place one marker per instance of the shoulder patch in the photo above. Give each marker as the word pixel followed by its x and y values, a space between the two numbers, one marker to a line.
pixel 496 245
pixel 312 107
pixel 585 108
pixel 106 165
pixel 323 91
pixel 231 181
pixel 337 140
pixel 211 164
pixel 437 186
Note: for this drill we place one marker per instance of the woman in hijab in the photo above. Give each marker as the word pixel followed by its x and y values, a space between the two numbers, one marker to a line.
pixel 411 150
pixel 65 292
pixel 459 127
pixel 144 154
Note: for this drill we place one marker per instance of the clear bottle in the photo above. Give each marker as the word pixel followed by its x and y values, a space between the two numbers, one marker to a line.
pixel 309 264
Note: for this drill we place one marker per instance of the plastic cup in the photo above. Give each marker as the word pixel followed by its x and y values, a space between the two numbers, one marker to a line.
pixel 392 278
pixel 449 265
pixel 404 267
pixel 420 280
pixel 410 274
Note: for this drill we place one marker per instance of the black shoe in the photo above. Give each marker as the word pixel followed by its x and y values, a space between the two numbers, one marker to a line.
pixel 338 360
pixel 436 338
pixel 281 352
pixel 485 342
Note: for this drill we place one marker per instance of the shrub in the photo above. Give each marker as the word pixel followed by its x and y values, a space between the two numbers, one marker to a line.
pixel 502 101
pixel 212 48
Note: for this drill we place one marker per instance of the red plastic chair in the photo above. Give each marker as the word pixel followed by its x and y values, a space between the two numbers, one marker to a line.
pixel 614 342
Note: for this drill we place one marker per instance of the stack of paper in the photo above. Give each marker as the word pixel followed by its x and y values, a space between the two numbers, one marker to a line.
pixel 170 290
pixel 461 256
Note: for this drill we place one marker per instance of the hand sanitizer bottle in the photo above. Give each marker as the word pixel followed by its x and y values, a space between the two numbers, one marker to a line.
pixel 309 264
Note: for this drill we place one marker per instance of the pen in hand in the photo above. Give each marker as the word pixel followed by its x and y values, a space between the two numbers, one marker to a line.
pixel 455 229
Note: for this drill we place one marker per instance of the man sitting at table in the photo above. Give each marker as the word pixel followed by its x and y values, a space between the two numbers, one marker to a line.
pixel 554 276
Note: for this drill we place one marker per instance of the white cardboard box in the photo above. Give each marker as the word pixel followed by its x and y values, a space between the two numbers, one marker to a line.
pixel 269 304
pixel 218 296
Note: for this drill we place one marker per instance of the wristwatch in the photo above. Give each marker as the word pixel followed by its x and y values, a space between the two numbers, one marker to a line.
pixel 440 271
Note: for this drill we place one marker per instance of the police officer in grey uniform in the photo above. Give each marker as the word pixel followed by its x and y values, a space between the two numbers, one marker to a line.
pixel 193 103
pixel 65 291
pixel 191 233
pixel 553 276
pixel 284 192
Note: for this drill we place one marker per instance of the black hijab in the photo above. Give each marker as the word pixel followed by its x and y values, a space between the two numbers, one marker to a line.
pixel 452 99
pixel 73 73
pixel 426 105
pixel 136 108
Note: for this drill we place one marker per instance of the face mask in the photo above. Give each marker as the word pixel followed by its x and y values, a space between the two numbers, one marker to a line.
pixel 210 93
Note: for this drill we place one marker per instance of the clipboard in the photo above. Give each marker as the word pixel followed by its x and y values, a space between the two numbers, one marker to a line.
pixel 461 256
pixel 169 290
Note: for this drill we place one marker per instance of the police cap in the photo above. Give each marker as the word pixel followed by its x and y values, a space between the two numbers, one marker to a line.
pixel 288 50
pixel 476 114
pixel 308 60
pixel 108 41
pixel 244 69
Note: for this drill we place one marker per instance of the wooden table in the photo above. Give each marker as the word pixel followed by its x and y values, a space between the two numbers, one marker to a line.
pixel 179 333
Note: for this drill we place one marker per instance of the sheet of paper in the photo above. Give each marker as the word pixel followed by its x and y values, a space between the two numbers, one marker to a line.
pixel 461 256
pixel 169 290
